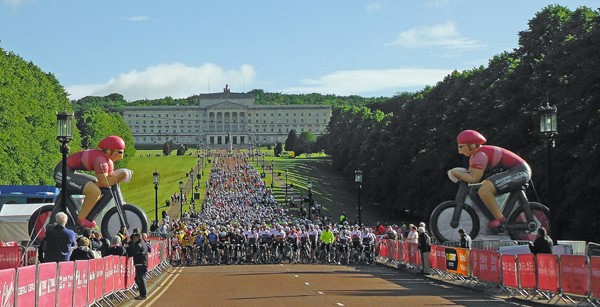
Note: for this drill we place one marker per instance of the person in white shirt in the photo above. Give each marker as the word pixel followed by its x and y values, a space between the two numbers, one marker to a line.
pixel 413 235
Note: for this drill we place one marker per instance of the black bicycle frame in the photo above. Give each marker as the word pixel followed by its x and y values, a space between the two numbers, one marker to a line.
pixel 465 189
pixel 108 194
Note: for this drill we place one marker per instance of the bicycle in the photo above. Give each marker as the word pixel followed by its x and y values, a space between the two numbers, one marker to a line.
pixel 111 219
pixel 468 211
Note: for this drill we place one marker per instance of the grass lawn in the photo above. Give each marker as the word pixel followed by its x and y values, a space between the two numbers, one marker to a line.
pixel 172 170
pixel 334 192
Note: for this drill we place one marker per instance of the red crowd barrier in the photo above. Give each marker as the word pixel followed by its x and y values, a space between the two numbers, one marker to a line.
pixel 509 271
pixel 414 257
pixel 80 293
pixel 7 279
pixel 47 284
pixel 595 276
pixel 71 283
pixel 488 266
pixel 547 273
pixel 10 256
pixel 574 275
pixel 66 282
pixel 405 252
pixel 25 286
pixel 109 276
pixel 526 269
pixel 566 274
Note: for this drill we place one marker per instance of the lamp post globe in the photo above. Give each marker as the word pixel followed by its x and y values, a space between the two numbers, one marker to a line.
pixel 358 179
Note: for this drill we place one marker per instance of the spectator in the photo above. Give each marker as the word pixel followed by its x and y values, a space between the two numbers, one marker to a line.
pixel 145 239
pixel 542 244
pixel 424 248
pixel 102 243
pixel 465 239
pixel 379 229
pixel 391 233
pixel 116 248
pixel 139 251
pixel 59 240
pixel 413 235
pixel 83 251
pixel 154 226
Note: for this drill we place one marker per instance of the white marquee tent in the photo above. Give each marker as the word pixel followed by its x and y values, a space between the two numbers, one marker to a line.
pixel 14 219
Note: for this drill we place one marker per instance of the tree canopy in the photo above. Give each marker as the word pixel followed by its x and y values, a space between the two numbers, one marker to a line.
pixel 29 101
pixel 405 151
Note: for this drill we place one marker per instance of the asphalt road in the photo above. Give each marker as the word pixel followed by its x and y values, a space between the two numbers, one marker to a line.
pixel 305 285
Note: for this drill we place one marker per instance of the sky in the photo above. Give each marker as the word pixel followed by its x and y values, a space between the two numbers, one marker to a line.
pixel 153 49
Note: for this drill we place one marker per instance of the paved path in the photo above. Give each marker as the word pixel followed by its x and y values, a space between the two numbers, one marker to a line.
pixel 305 285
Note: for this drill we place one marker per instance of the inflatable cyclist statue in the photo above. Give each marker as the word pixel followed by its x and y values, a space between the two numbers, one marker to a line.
pixel 101 162
pixel 482 157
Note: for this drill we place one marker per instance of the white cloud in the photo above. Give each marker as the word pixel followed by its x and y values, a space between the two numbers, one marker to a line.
pixel 438 3
pixel 360 82
pixel 14 3
pixel 441 35
pixel 138 18
pixel 175 80
pixel 374 6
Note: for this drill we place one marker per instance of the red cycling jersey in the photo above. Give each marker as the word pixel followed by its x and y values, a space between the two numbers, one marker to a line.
pixel 91 160
pixel 491 156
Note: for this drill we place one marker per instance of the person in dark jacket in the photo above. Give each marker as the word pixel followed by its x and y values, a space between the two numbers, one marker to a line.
pixel 425 248
pixel 116 248
pixel 83 251
pixel 139 251
pixel 543 244
pixel 59 240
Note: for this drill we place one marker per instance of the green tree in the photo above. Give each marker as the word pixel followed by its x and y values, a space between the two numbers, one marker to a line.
pixel 278 149
pixel 290 142
pixel 29 101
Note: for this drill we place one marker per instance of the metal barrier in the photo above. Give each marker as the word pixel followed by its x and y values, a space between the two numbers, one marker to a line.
pixel 75 283
pixel 592 249
pixel 571 278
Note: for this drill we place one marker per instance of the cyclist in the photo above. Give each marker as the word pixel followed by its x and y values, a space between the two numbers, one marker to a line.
pixel 327 238
pixel 99 161
pixel 368 242
pixel 482 157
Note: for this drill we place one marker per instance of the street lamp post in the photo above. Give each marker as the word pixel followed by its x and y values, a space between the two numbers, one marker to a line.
pixel 358 179
pixel 272 176
pixel 181 199
pixel 549 133
pixel 286 185
pixel 156 177
pixel 310 199
pixel 64 134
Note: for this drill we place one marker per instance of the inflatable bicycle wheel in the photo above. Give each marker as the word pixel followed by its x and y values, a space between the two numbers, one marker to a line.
pixel 136 218
pixel 442 216
pixel 541 216
pixel 38 221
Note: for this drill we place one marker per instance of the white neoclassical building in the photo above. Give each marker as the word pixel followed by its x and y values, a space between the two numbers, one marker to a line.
pixel 219 115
